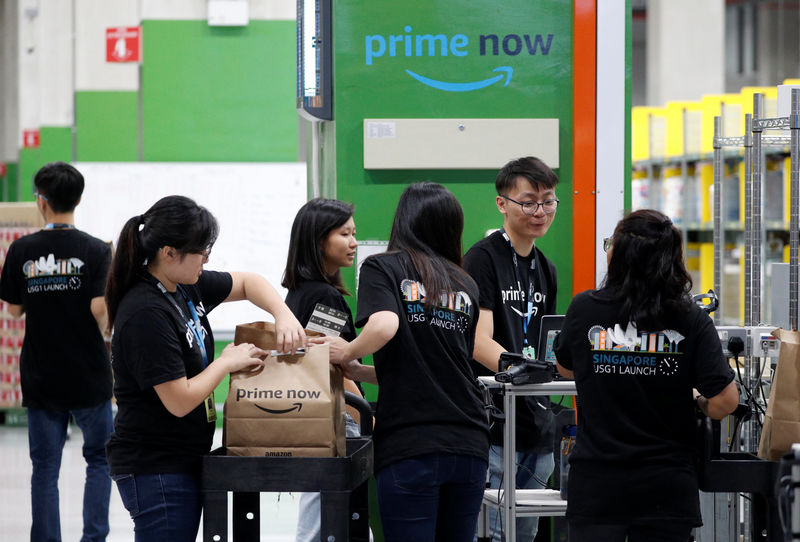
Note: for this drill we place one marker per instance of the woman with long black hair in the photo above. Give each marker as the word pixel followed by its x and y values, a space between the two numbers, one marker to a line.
pixel 322 241
pixel 158 300
pixel 639 350
pixel 418 308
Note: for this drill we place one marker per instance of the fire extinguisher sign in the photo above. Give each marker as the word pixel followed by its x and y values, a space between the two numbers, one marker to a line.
pixel 124 44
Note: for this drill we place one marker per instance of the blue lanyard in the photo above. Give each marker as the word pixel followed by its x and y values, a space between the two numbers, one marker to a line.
pixel 194 324
pixel 526 314
pixel 58 226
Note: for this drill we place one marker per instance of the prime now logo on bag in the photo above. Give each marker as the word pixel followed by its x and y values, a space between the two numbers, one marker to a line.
pixel 292 407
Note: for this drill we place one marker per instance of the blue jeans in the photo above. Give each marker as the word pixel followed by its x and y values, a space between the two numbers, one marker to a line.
pixel 164 507
pixel 433 497
pixel 533 471
pixel 664 532
pixel 47 432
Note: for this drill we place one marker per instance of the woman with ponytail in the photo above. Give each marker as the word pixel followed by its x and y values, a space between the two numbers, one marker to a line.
pixel 419 311
pixel 640 350
pixel 158 300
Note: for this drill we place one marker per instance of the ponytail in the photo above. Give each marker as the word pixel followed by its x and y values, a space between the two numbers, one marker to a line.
pixel 174 221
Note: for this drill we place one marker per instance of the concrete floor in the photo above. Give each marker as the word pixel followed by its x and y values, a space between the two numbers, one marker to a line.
pixel 278 511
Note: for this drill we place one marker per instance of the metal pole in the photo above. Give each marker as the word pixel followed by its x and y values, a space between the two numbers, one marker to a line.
pixel 794 205
pixel 758 165
pixel 314 189
pixel 653 201
pixel 748 217
pixel 509 509
pixel 719 235
pixel 688 195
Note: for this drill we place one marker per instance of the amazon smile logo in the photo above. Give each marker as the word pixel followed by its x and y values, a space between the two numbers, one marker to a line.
pixel 409 45
pixel 297 406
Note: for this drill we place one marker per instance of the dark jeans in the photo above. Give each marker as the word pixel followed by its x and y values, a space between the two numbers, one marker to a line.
pixel 164 507
pixel 47 432
pixel 666 532
pixel 433 497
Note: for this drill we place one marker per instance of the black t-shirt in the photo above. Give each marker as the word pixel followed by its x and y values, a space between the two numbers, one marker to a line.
pixel 54 275
pixel 635 453
pixel 428 398
pixel 505 292
pixel 152 344
pixel 302 299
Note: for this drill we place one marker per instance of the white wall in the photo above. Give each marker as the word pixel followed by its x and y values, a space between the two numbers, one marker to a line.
pixel 185 10
pixel 9 90
pixel 610 136
pixel 685 49
pixel 28 89
pixel 38 51
pixel 92 72
pixel 55 63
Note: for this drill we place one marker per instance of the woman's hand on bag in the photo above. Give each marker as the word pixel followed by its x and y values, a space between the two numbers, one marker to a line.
pixel 338 348
pixel 238 357
pixel 289 334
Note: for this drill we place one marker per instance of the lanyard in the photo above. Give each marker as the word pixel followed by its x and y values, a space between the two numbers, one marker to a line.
pixel 58 226
pixel 527 312
pixel 194 323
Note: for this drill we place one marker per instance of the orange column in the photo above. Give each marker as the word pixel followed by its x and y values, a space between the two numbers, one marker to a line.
pixel 584 144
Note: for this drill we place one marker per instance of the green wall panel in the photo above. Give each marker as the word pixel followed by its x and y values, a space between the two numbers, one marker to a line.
pixel 9 185
pixel 107 126
pixel 30 160
pixel 55 144
pixel 219 93
pixel 371 86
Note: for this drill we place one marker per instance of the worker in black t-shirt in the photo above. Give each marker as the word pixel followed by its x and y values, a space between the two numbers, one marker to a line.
pixel 639 351
pixel 418 309
pixel 517 287
pixel 323 240
pixel 56 278
pixel 158 299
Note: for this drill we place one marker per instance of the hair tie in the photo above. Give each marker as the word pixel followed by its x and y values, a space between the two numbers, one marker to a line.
pixel 140 221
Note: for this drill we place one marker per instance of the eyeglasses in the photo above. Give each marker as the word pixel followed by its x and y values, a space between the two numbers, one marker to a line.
pixel 607 243
pixel 206 252
pixel 530 207
pixel 37 194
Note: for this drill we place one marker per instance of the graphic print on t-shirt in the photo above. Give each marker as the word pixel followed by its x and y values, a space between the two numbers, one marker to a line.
pixel 48 274
pixel 190 335
pixel 454 310
pixel 514 296
pixel 631 352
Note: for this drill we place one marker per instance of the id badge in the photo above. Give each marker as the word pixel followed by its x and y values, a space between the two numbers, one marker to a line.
pixel 211 409
pixel 529 352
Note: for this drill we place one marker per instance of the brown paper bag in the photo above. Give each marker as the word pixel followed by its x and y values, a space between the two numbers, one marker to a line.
pixel 782 421
pixel 292 407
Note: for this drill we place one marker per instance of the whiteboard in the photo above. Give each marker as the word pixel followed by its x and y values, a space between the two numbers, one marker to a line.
pixel 254 203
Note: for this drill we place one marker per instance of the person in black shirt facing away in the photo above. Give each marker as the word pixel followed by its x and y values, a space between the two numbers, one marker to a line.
pixel 323 240
pixel 158 299
pixel 639 351
pixel 418 309
pixel 517 287
pixel 56 277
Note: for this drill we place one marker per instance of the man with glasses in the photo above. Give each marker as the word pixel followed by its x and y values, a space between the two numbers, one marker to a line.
pixel 517 286
pixel 56 278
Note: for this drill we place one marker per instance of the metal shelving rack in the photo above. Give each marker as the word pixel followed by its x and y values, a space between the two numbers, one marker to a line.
pixel 521 502
pixel 754 141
